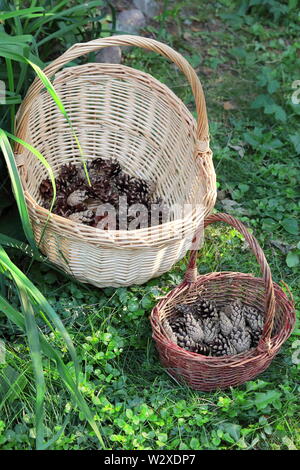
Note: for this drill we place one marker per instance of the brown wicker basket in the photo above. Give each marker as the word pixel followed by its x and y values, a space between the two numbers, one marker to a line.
pixel 122 113
pixel 209 373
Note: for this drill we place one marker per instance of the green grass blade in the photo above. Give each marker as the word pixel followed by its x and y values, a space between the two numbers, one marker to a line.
pixel 42 160
pixel 25 12
pixel 12 98
pixel 42 304
pixel 12 51
pixel 12 384
pixel 12 314
pixel 51 175
pixel 84 7
pixel 9 52
pixel 37 363
pixel 22 77
pixel 17 187
pixel 21 39
pixel 51 90
pixel 48 85
pixel 22 246
pixel 56 436
pixel 11 87
pixel 65 29
pixel 60 5
pixel 113 16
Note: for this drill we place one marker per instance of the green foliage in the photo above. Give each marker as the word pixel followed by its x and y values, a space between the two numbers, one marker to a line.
pixel 246 53
pixel 137 404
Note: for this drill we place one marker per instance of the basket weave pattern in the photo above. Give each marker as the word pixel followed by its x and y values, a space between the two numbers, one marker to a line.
pixel 209 373
pixel 121 113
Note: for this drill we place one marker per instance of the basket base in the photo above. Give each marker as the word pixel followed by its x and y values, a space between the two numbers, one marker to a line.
pixel 113 267
pixel 209 383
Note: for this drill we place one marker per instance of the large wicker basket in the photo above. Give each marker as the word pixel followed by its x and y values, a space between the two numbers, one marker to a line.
pixel 122 113
pixel 207 372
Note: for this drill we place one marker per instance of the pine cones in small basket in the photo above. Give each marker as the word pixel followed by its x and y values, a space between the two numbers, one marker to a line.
pixel 203 328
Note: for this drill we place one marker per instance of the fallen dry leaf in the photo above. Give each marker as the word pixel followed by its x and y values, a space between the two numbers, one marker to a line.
pixel 227 105
pixel 206 70
pixel 187 36
pixel 282 246
pixel 233 207
pixel 238 148
pixel 221 194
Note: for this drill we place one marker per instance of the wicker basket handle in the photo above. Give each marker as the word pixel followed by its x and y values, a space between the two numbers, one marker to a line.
pixel 191 272
pixel 125 40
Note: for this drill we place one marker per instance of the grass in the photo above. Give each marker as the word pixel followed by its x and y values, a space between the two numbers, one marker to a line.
pixel 237 50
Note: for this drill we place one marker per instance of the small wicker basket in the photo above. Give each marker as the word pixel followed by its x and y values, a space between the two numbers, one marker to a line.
pixel 121 113
pixel 207 372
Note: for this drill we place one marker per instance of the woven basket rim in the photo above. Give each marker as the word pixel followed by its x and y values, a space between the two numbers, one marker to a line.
pixel 132 237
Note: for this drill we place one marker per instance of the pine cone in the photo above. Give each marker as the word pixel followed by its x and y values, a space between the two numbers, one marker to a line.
pixel 46 189
pixel 66 187
pixel 187 343
pixel 61 207
pixel 105 191
pixel 178 325
pixel 193 328
pixel 82 217
pixel 255 322
pixel 68 171
pixel 169 331
pixel 235 311
pixel 240 339
pixel 62 187
pixel 188 331
pixel 74 195
pixel 210 329
pixel 122 182
pixel 204 309
pixel 182 309
pixel 137 190
pixel 77 198
pixel 139 193
pixel 106 167
pixel 255 337
pixel 222 347
pixel 69 176
pixel 93 175
pixel 254 318
pixel 203 349
pixel 225 324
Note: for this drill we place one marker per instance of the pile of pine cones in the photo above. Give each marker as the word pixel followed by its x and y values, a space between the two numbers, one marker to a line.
pixel 201 328
pixel 79 201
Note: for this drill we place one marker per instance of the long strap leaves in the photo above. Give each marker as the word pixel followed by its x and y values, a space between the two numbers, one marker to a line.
pixel 32 301
pixel 17 187
pixel 18 319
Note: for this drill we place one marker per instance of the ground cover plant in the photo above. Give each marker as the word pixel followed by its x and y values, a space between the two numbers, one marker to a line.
pixel 247 56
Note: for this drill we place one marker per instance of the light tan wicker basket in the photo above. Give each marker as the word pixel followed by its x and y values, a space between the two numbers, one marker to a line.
pixel 122 113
